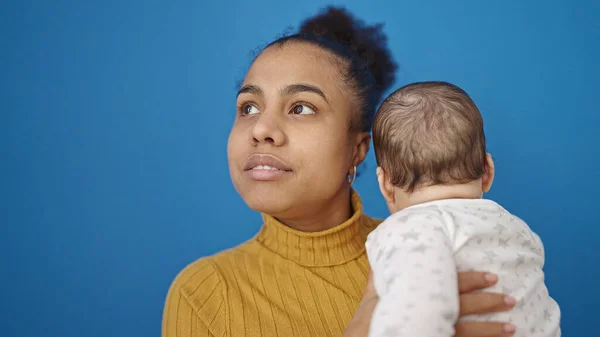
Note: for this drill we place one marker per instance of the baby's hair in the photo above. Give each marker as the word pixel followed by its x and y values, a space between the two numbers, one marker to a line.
pixel 429 133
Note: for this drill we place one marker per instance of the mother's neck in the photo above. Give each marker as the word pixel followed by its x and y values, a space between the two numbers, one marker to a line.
pixel 327 214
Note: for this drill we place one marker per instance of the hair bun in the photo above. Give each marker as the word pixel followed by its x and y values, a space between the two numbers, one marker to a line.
pixel 368 42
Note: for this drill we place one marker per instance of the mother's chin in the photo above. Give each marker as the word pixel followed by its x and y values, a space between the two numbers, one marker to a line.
pixel 270 197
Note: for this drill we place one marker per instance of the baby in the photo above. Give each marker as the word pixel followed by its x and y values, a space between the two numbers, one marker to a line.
pixel 433 169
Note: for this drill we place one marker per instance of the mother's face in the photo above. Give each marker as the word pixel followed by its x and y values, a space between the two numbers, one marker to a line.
pixel 290 148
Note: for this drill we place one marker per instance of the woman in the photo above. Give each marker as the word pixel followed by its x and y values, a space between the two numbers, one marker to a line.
pixel 304 115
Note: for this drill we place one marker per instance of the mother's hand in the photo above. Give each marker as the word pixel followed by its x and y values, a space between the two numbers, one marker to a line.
pixel 472 302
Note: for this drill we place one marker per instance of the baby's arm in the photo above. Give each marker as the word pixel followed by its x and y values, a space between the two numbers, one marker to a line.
pixel 415 276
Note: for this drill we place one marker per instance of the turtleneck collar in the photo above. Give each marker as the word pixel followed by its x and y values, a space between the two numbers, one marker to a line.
pixel 333 246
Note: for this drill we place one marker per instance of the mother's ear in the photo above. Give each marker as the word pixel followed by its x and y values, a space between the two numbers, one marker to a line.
pixel 361 147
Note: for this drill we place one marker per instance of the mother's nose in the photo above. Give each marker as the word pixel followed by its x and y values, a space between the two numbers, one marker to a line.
pixel 267 129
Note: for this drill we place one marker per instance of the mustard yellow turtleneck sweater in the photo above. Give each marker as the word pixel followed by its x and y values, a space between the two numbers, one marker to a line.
pixel 281 283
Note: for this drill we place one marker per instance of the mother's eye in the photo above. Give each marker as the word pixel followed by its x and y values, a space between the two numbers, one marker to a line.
pixel 302 109
pixel 249 109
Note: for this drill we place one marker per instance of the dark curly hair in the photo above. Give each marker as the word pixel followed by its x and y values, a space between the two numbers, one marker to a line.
pixel 370 69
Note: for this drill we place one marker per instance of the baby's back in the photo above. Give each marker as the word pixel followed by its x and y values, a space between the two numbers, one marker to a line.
pixel 488 237
pixel 415 255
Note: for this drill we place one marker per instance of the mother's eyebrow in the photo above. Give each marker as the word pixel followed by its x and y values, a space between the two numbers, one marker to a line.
pixel 298 88
pixel 250 89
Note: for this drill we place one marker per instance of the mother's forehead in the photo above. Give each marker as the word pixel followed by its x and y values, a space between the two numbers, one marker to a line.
pixel 295 62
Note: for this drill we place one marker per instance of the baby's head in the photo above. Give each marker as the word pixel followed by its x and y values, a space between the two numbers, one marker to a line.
pixel 430 145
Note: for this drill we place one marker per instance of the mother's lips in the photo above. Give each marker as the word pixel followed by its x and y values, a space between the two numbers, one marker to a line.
pixel 265 162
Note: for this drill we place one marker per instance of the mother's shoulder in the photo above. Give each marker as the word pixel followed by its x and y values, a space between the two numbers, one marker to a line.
pixel 203 271
pixel 208 269
pixel 203 284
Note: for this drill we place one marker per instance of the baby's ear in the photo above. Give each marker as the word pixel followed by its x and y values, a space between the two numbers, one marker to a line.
pixel 379 173
pixel 385 186
pixel 380 177
pixel 488 177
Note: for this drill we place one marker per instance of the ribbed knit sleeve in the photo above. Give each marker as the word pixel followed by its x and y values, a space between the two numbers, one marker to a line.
pixel 196 303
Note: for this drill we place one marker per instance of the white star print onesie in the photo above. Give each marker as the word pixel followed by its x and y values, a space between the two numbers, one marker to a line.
pixel 415 255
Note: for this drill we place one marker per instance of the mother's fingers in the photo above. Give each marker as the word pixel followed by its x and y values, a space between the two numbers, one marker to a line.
pixel 370 288
pixel 483 303
pixel 483 329
pixel 469 281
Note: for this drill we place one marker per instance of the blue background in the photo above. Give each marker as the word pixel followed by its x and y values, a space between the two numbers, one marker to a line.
pixel 114 121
